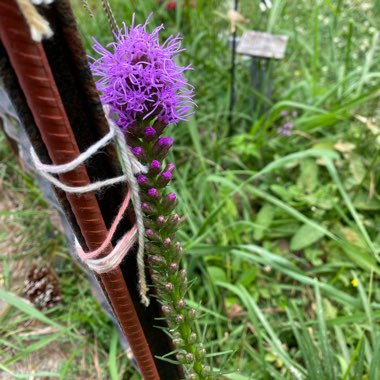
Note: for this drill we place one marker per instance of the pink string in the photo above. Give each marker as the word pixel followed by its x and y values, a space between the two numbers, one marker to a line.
pixel 85 256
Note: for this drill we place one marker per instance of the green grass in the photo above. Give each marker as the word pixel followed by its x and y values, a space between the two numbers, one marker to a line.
pixel 281 233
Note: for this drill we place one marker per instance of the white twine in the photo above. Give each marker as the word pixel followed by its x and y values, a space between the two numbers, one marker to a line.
pixel 130 167
pixel 39 27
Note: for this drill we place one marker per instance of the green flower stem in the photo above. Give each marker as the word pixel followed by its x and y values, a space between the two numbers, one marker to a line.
pixel 164 256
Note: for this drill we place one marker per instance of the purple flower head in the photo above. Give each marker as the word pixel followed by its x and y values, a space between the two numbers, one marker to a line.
pixel 286 129
pixel 140 79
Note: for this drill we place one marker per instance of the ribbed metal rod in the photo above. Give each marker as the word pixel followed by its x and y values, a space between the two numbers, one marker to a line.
pixel 36 80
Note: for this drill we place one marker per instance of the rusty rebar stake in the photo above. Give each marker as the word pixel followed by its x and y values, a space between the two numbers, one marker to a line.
pixel 32 68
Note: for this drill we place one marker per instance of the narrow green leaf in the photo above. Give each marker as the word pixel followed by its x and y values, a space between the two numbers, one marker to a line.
pixel 305 236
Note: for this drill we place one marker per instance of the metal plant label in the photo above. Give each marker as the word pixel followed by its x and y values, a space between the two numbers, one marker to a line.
pixel 263 45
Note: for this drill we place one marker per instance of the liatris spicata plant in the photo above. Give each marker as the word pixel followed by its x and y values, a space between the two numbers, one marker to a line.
pixel 146 90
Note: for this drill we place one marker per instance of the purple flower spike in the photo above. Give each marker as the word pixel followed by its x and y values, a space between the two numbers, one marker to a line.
pixel 140 79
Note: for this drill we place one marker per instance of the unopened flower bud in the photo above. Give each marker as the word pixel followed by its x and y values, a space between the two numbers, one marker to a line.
pixel 169 202
pixel 189 357
pixel 152 235
pixel 180 357
pixel 166 309
pixel 193 376
pixel 173 267
pixel 193 337
pixel 152 248
pixel 192 313
pixel 148 208
pixel 157 278
pixel 155 259
pixel 169 168
pixel 161 220
pixel 183 275
pixel 164 179
pixel 169 286
pixel 162 146
pixel 144 181
pixel 172 223
pixel 149 133
pixel 178 342
pixel 206 370
pixel 154 167
pixel 178 251
pixel 138 151
pixel 166 243
pixel 181 303
pixel 153 193
pixel 179 318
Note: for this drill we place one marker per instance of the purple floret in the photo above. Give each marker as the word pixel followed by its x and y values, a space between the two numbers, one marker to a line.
pixel 140 79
